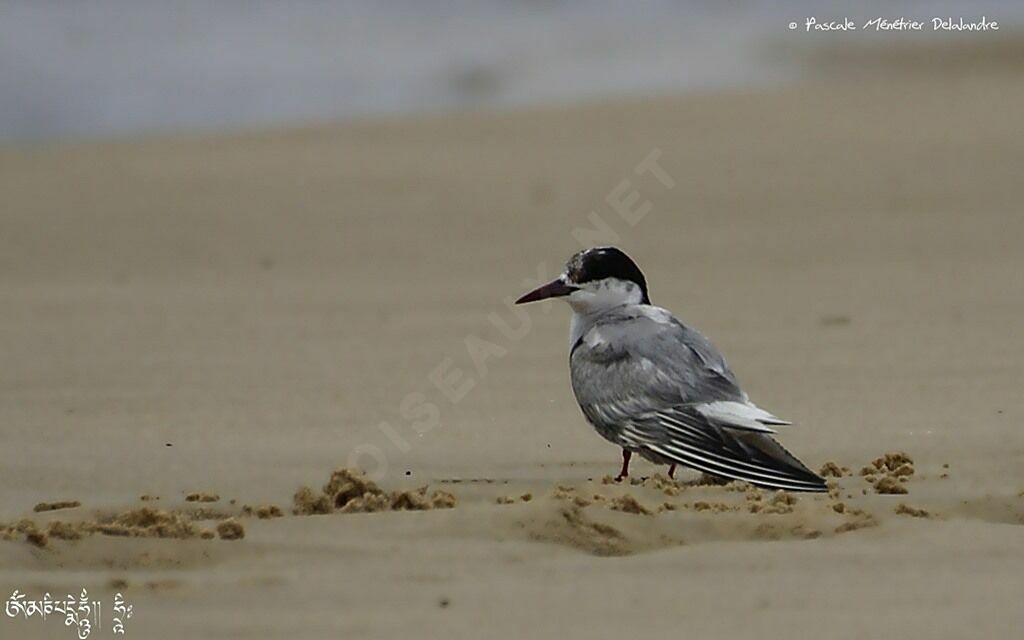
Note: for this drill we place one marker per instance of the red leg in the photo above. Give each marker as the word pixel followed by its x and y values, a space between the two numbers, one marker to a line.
pixel 672 471
pixel 626 455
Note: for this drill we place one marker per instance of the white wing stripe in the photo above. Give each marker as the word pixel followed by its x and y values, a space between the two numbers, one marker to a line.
pixel 742 415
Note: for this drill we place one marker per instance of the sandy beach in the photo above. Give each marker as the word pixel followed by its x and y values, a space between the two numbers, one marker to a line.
pixel 240 315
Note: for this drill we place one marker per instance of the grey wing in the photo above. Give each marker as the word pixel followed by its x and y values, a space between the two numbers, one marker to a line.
pixel 631 364
pixel 652 385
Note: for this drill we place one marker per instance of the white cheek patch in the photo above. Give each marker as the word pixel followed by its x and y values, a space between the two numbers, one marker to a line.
pixel 601 295
pixel 612 292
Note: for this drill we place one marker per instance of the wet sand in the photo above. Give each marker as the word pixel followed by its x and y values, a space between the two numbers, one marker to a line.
pixel 237 316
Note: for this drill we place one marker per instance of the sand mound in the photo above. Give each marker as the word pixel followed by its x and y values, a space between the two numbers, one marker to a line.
pixel 147 523
pixel 596 517
pixel 607 518
pixel 348 491
pixel 573 528
pixel 640 521
pixel 142 522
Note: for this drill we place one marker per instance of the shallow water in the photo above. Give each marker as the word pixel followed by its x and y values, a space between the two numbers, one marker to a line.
pixel 121 67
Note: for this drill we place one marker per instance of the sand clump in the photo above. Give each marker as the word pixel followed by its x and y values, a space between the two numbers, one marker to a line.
pixel 778 531
pixel 26 530
pixel 54 506
pixel 667 485
pixel 887 472
pixel 710 480
pixel 142 522
pixel 906 510
pixel 263 511
pixel 308 502
pixel 15 530
pixel 738 486
pixel 889 485
pixel 628 504
pixel 832 470
pixel 348 491
pixel 896 463
pixel 664 484
pixel 562 492
pixel 859 519
pixel 202 497
pixel 854 525
pixel 230 529
pixel 526 497
pixel 146 522
pixel 780 503
pixel 37 538
pixel 713 507
pixel 205 513
pixel 833 489
pixel 64 530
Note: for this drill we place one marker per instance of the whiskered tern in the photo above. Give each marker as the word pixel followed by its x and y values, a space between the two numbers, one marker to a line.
pixel 657 388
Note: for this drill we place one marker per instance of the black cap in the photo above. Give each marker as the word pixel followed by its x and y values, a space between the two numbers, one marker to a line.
pixel 605 262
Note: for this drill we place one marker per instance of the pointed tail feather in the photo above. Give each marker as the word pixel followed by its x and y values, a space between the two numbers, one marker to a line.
pixel 684 435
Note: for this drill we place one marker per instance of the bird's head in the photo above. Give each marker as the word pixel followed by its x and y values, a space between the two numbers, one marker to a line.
pixel 595 279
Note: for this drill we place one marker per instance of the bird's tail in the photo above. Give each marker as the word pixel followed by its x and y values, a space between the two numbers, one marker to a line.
pixel 685 436
pixel 783 461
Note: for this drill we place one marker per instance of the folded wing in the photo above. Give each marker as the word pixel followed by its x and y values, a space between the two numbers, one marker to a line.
pixel 686 435
pixel 654 385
